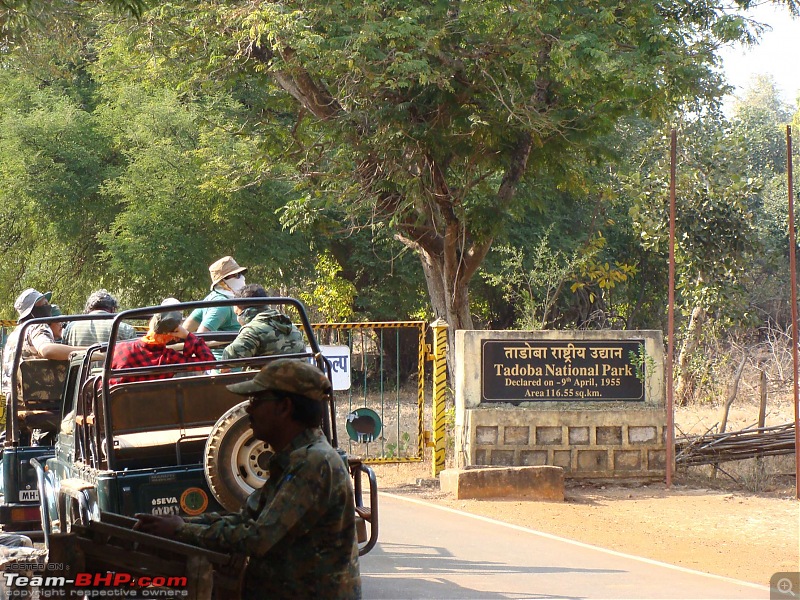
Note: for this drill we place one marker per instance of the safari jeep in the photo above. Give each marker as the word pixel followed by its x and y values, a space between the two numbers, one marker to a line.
pixel 34 403
pixel 180 445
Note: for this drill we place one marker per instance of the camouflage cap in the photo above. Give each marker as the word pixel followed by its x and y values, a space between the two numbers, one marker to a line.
pixel 287 375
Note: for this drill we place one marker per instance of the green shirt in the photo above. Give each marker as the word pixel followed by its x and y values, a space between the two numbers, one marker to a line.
pixel 298 530
pixel 216 318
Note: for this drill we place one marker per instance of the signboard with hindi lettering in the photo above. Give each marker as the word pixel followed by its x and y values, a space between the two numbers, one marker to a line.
pixel 340 365
pixel 544 370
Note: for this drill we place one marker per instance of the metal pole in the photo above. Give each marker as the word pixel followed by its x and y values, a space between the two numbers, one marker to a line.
pixel 793 277
pixel 671 310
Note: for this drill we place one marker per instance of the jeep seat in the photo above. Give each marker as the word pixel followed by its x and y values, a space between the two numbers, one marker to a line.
pixel 155 421
pixel 39 387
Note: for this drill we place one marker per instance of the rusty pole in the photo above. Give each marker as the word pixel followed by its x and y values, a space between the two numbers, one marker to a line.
pixel 671 309
pixel 793 279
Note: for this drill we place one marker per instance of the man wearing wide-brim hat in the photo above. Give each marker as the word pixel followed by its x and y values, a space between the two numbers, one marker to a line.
pixel 39 340
pixel 227 278
pixel 299 528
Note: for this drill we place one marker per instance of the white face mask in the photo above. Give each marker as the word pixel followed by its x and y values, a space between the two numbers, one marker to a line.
pixel 236 283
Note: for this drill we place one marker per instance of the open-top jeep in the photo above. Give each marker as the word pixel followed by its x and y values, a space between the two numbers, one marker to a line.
pixel 180 445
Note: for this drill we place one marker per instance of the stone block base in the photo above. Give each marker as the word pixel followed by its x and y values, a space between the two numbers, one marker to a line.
pixel 531 483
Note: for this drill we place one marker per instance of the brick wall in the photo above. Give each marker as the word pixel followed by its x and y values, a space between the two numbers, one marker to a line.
pixel 585 444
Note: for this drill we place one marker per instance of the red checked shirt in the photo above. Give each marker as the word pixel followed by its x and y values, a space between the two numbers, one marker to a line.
pixel 129 355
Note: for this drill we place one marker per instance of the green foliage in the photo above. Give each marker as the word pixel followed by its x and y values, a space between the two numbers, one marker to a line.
pixel 326 145
pixel 716 236
pixel 398 449
pixel 536 284
pixel 329 298
pixel 642 362
pixel 760 120
pixel 53 161
pixel 429 118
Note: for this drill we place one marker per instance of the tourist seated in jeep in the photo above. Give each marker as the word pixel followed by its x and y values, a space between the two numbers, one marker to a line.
pixel 97 331
pixel 39 342
pixel 265 331
pixel 152 350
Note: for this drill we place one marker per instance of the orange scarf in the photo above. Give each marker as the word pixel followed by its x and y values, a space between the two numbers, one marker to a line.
pixel 159 339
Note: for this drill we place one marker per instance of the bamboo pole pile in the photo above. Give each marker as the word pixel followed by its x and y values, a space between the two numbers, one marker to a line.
pixel 711 448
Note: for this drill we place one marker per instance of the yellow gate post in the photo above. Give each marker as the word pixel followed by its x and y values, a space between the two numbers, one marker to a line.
pixel 439 327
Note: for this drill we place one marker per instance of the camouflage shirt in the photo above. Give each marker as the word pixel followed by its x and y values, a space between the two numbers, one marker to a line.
pixel 265 332
pixel 36 336
pixel 298 530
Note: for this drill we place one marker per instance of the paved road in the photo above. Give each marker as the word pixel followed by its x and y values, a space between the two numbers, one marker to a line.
pixel 426 551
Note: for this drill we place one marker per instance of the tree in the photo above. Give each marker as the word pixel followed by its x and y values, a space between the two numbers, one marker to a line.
pixel 54 160
pixel 759 122
pixel 715 232
pixel 430 116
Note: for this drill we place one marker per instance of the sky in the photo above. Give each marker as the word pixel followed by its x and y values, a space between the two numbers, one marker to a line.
pixel 778 54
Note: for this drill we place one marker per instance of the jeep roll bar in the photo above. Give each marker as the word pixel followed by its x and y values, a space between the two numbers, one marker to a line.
pixel 146 312
pixel 12 402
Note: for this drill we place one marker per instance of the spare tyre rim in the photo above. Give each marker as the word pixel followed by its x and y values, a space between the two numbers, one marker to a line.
pixel 250 461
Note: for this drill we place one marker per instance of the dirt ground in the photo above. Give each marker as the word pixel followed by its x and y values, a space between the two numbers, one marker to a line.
pixel 747 529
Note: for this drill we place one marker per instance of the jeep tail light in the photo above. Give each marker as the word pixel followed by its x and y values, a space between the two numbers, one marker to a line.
pixel 29 513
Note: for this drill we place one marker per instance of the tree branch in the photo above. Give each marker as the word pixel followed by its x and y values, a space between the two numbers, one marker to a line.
pixel 312 96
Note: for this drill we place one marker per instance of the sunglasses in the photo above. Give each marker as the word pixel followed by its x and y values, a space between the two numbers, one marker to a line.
pixel 257 399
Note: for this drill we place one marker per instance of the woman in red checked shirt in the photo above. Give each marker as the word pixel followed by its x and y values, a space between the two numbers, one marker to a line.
pixel 151 350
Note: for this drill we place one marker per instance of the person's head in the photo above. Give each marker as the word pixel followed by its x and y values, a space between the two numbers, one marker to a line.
pixel 286 396
pixel 227 274
pixel 251 290
pixel 101 300
pixel 32 303
pixel 57 327
pixel 163 324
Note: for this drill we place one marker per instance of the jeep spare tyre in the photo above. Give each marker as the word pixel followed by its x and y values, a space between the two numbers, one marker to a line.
pixel 235 462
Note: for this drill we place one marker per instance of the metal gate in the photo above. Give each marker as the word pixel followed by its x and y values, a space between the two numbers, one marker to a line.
pixel 380 406
pixel 385 364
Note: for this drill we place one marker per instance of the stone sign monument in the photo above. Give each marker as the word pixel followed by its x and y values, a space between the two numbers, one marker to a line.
pixel 591 402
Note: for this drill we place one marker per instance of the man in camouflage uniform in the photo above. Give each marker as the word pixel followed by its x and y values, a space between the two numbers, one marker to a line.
pixel 264 330
pixel 299 529
pixel 39 391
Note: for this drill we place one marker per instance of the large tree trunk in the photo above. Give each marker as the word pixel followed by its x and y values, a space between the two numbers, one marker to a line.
pixel 450 303
pixel 448 272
